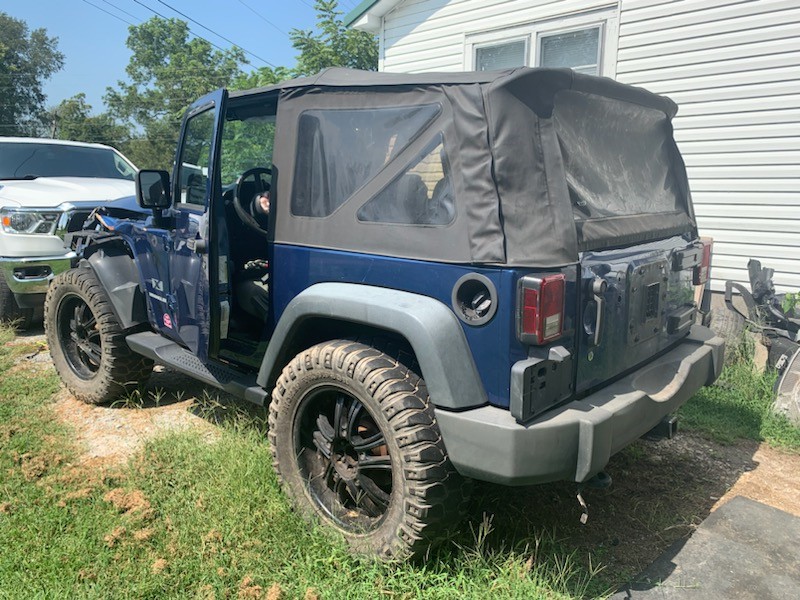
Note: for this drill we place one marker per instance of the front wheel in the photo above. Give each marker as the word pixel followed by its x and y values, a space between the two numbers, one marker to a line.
pixel 355 444
pixel 87 343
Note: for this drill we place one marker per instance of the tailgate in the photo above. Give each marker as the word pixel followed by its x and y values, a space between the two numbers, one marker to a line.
pixel 634 303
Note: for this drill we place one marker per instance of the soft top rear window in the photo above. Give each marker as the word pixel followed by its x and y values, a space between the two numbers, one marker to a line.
pixel 618 156
pixel 339 150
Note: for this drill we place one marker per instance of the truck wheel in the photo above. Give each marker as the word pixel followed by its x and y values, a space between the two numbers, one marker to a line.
pixel 86 341
pixel 355 444
pixel 21 318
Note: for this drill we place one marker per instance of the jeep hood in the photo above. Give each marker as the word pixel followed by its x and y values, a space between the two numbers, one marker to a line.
pixel 46 192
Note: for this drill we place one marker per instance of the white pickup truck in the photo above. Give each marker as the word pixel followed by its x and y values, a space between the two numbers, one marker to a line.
pixel 48 187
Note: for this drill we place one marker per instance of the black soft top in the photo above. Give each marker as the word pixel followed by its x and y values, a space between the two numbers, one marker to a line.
pixel 543 163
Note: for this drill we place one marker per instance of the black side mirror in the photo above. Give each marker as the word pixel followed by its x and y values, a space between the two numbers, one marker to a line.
pixel 152 189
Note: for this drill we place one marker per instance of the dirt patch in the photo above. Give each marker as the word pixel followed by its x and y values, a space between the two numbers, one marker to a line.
pixel 248 589
pixel 158 566
pixel 128 502
pixel 142 535
pixel 112 434
pixel 115 536
pixel 774 481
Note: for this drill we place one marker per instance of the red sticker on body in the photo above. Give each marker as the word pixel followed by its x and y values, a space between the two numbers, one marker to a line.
pixel 167 321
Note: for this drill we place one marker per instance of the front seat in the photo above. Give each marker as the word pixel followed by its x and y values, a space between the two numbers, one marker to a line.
pixel 251 290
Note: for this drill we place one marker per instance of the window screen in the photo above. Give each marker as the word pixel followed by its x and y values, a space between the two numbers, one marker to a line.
pixel 500 56
pixel 578 50
pixel 422 195
pixel 338 151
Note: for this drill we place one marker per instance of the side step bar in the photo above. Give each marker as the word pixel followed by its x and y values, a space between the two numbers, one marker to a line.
pixel 162 350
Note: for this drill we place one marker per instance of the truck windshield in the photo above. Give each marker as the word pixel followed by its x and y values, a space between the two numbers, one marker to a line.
pixel 28 160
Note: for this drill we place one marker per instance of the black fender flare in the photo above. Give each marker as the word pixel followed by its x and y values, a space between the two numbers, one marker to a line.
pixel 429 326
pixel 114 267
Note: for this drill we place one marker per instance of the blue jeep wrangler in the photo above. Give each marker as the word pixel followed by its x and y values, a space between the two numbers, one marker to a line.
pixel 461 276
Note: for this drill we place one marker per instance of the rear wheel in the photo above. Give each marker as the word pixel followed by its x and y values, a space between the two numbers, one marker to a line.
pixel 356 444
pixel 10 311
pixel 86 341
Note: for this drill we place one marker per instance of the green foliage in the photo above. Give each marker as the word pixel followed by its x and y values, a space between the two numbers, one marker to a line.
pixel 790 302
pixel 73 121
pixel 27 60
pixel 739 406
pixel 333 45
pixel 245 145
pixel 167 71
pixel 261 78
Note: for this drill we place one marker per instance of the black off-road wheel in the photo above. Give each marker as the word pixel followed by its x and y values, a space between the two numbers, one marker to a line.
pixel 356 445
pixel 87 343
pixel 10 311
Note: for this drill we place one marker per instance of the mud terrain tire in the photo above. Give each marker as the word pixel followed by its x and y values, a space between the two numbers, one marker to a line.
pixel 356 445
pixel 86 341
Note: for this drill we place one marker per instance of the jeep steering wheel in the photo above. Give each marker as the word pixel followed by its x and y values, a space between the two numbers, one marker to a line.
pixel 261 186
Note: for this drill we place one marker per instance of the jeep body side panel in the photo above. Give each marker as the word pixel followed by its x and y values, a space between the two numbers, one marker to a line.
pixel 429 326
pixel 576 440
pixel 494 346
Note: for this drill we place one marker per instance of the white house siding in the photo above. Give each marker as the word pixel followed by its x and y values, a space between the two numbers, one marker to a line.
pixel 733 66
pixel 430 35
pixel 734 69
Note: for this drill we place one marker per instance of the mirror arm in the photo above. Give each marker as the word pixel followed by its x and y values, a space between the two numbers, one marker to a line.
pixel 159 220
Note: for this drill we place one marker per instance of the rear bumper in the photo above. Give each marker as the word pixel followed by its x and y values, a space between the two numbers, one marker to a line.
pixel 32 275
pixel 575 441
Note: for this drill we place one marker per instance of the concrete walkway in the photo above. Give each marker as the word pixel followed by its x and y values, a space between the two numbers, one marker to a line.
pixel 744 549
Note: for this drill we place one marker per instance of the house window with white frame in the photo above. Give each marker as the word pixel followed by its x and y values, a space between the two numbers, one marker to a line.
pixel 585 43
pixel 578 49
pixel 505 55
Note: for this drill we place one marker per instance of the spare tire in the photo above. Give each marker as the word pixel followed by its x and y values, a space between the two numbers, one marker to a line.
pixel 727 324
pixel 787 388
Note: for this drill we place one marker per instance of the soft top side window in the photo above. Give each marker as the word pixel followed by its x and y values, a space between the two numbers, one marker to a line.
pixel 421 195
pixel 340 150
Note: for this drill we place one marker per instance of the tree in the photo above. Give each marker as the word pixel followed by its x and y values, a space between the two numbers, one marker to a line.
pixel 27 60
pixel 261 78
pixel 72 120
pixel 334 45
pixel 167 71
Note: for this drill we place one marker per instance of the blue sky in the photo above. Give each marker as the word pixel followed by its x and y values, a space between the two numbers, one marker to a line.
pixel 93 42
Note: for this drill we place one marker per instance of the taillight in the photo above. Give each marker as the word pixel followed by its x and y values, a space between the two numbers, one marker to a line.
pixel 702 272
pixel 540 310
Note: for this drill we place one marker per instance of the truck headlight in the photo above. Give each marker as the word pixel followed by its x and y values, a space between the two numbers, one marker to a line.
pixel 29 221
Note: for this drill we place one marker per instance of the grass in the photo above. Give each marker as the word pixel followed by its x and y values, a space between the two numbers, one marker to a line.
pixel 739 405
pixel 189 518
